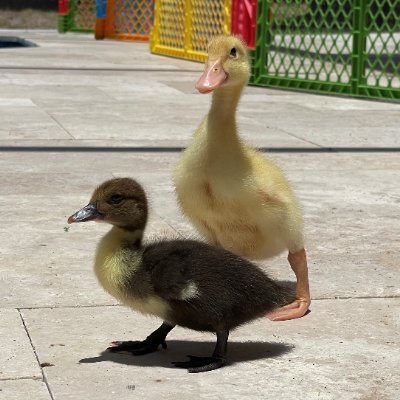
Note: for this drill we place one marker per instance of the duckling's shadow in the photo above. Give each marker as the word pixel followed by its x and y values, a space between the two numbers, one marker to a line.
pixel 178 350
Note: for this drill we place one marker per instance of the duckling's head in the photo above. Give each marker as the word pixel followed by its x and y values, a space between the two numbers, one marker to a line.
pixel 121 202
pixel 227 64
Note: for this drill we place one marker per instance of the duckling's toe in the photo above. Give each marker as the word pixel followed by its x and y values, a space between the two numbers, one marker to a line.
pixel 136 348
pixel 296 309
pixel 200 364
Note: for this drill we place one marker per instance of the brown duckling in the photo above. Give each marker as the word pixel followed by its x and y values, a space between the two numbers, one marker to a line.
pixel 184 282
pixel 234 196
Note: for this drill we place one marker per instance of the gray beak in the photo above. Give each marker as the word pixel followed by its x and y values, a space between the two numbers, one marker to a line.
pixel 87 213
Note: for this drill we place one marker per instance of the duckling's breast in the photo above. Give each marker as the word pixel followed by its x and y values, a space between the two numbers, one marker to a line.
pixel 235 219
pixel 238 200
pixel 239 233
pixel 119 271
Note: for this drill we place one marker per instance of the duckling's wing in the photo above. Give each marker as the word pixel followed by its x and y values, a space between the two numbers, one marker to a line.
pixel 169 264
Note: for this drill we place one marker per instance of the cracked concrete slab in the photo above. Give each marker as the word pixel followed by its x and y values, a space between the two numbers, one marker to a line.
pixel 45 266
pixel 333 353
pixel 56 93
pixel 24 389
pixel 17 357
pixel 81 51
pixel 29 123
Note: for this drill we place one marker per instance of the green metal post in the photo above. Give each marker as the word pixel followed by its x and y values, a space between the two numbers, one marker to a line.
pixel 62 23
pixel 261 54
pixel 359 45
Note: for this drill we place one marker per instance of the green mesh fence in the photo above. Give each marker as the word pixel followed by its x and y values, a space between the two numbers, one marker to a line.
pixel 81 17
pixel 347 47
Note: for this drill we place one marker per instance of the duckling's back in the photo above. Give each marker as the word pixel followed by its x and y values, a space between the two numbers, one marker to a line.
pixel 209 288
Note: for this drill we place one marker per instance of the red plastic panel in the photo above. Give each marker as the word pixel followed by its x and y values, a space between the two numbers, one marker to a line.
pixel 63 7
pixel 244 15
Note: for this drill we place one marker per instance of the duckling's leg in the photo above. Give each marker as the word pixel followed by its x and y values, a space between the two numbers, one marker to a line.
pixel 297 309
pixel 203 364
pixel 149 345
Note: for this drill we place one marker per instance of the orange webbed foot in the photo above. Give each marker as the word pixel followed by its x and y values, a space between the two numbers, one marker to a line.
pixel 294 310
pixel 299 307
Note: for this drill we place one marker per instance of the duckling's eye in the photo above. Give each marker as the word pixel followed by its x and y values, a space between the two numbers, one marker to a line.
pixel 233 52
pixel 115 199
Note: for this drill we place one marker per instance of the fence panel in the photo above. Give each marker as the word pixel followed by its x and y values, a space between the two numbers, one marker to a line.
pixel 77 15
pixel 333 46
pixel 168 35
pixel 380 73
pixel 182 28
pixel 129 19
pixel 244 20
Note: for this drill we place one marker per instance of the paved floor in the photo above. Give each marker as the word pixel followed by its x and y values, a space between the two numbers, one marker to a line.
pixel 55 321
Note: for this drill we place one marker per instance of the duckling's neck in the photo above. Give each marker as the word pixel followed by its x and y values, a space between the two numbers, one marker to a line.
pixel 114 245
pixel 224 103
pixel 130 238
pixel 118 256
pixel 221 121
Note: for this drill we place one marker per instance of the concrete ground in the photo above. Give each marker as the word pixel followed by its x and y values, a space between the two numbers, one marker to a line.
pixel 76 94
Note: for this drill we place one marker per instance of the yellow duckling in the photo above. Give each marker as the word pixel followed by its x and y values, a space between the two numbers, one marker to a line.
pixel 234 196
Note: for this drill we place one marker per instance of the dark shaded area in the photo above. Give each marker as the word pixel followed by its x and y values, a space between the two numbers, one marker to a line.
pixel 9 41
pixel 46 5
pixel 161 149
pixel 178 350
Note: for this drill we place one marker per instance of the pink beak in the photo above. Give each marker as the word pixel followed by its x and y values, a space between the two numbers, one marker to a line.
pixel 213 77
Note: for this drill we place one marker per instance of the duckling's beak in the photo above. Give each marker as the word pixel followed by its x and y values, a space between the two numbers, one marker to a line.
pixel 213 76
pixel 87 213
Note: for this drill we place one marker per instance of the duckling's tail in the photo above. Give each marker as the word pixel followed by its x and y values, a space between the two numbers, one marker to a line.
pixel 281 293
